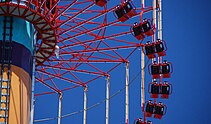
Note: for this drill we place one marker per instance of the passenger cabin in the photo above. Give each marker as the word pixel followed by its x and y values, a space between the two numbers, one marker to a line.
pixel 155 70
pixel 129 9
pixel 154 89
pixel 148 30
pixel 139 121
pixel 101 3
pixel 124 11
pixel 166 69
pixel 160 48
pixel 166 90
pixel 150 50
pixel 160 110
pixel 138 31
pixel 149 110
pixel 120 13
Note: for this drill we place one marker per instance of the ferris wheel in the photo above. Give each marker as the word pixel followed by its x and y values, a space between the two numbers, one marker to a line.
pixel 78 42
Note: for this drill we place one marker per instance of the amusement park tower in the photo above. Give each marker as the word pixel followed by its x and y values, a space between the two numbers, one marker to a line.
pixel 16 53
pixel 19 24
pixel 16 41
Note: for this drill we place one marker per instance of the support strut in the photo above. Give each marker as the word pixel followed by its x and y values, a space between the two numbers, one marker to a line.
pixel 127 95
pixel 107 98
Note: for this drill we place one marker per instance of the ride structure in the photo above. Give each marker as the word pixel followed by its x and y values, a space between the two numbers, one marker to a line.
pixel 63 44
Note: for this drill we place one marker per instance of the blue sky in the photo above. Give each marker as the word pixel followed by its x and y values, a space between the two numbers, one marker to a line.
pixel 186 29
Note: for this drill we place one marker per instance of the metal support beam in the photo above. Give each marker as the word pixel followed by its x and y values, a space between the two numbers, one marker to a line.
pixel 127 95
pixel 143 3
pixel 60 108
pixel 143 82
pixel 160 20
pixel 154 18
pixel 107 98
pixel 32 97
pixel 142 79
pixel 85 104
pixel 33 80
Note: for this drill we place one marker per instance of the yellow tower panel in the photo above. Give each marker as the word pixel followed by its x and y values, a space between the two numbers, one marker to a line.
pixel 20 96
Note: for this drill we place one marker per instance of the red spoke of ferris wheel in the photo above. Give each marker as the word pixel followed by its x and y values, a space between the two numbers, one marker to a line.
pixel 54 75
pixel 86 21
pixel 74 70
pixel 90 61
pixel 52 82
pixel 96 48
pixel 70 18
pixel 93 79
pixel 91 30
pixel 123 41
pixel 59 77
pixel 97 39
pixel 97 28
pixel 107 49
pixel 69 88
pixel 47 85
pixel 97 16
pixel 123 62
pixel 101 72
pixel 48 93
pixel 86 12
pixel 65 8
pixel 95 68
pixel 78 63
pixel 62 53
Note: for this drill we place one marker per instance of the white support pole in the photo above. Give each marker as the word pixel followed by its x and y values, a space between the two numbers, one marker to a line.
pixel 143 3
pixel 154 17
pixel 107 98
pixel 142 79
pixel 32 96
pixel 160 20
pixel 85 104
pixel 60 108
pixel 127 94
pixel 33 81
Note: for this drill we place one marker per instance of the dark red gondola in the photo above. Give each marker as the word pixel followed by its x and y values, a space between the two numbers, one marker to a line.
pixel 166 69
pixel 101 3
pixel 166 90
pixel 120 13
pixel 138 31
pixel 149 109
pixel 149 122
pixel 160 110
pixel 154 70
pixel 129 8
pixel 139 121
pixel 154 89
pixel 150 50
pixel 160 47
pixel 148 30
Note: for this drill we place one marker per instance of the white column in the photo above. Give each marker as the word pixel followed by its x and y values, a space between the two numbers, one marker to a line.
pixel 160 20
pixel 107 98
pixel 60 108
pixel 127 95
pixel 142 79
pixel 85 104
pixel 33 80
pixel 143 3
pixel 154 17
